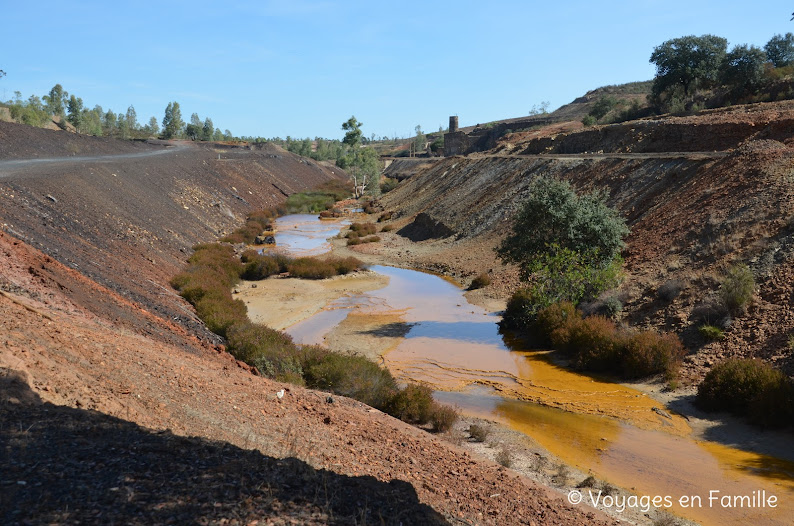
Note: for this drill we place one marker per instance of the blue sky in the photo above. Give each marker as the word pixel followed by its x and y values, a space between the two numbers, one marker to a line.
pixel 302 67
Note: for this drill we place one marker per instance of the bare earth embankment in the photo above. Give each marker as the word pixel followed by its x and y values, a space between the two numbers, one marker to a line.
pixel 692 214
pixel 118 406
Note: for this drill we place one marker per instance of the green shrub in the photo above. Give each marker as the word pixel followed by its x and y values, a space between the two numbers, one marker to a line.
pixel 353 376
pixel 521 309
pixel 363 229
pixel 737 287
pixel 201 281
pixel 603 106
pixel 478 433
pixel 355 240
pixel 282 260
pixel 482 280
pixel 711 332
pixel 309 202
pixel 256 223
pixel 344 266
pixel 260 268
pixel 555 216
pixel 443 417
pixel 595 344
pixel 589 120
pixel 647 352
pixel 555 317
pixel 310 268
pixel 413 404
pixel 388 185
pixel 219 312
pixel 750 388
pixel 560 274
pixel 272 352
pixel 219 258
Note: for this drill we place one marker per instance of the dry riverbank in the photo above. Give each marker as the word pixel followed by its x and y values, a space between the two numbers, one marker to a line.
pixel 377 333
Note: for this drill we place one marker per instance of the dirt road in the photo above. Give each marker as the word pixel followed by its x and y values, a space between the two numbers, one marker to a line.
pixel 10 168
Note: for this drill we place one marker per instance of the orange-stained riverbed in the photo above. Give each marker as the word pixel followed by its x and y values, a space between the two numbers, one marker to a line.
pixel 613 431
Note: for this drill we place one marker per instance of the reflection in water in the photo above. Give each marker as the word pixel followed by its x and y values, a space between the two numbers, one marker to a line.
pixel 605 428
pixel 305 235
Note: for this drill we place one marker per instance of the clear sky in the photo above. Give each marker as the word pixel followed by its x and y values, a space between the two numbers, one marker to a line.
pixel 302 67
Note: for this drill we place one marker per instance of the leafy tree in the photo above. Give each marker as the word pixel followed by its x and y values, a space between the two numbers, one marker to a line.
pixel 75 107
pixel 91 122
pixel 153 127
pixel 56 101
pixel 743 68
pixel 217 135
pixel 555 218
pixel 207 130
pixel 30 112
pixel 353 135
pixel 419 140
pixel 537 109
pixel 121 126
pixel 194 130
pixel 109 122
pixel 363 164
pixel 132 119
pixel 688 62
pixel 603 106
pixel 560 275
pixel 172 121
pixel 780 50
pixel 567 246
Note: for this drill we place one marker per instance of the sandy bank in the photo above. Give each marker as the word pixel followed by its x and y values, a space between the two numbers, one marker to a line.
pixel 282 302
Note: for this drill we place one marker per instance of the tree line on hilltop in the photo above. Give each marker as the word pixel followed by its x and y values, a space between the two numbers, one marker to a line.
pixel 690 64
pixel 698 72
pixel 61 107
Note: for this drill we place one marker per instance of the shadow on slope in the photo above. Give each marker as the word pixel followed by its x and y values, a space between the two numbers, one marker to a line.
pixel 64 465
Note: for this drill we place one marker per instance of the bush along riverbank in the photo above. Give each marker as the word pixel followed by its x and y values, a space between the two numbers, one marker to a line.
pixel 567 247
pixel 207 282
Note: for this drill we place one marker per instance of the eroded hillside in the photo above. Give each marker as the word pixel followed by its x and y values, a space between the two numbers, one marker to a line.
pixel 691 214
pixel 128 223
pixel 118 406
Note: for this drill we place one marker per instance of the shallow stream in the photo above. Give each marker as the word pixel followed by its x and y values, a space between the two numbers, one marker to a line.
pixel 617 433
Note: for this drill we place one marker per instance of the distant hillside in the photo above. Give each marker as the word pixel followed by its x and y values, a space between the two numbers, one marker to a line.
pixel 578 108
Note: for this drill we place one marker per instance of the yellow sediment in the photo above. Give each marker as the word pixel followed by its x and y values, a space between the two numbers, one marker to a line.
pixel 282 302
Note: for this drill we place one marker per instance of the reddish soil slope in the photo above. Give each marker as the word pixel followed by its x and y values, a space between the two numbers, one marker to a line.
pixel 117 408
pixel 129 224
pixel 691 215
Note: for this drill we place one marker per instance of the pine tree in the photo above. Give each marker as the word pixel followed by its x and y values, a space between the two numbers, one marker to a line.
pixel 173 124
